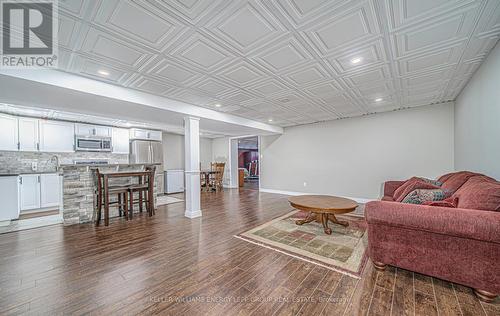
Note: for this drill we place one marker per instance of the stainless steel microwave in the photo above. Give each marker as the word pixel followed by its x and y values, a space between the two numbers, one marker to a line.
pixel 92 143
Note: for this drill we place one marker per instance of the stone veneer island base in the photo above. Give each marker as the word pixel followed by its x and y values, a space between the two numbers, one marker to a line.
pixel 79 187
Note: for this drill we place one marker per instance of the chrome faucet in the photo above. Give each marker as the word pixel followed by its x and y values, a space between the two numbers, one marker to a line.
pixel 55 159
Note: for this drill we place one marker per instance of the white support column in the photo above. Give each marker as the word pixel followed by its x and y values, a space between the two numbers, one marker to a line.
pixel 192 166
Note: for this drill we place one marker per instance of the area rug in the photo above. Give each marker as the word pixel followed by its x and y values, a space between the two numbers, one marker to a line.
pixel 165 199
pixel 343 251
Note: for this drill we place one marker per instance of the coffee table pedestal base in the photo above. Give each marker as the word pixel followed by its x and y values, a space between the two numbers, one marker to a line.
pixel 323 218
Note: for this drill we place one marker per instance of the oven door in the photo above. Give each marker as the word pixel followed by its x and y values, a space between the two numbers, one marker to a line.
pixel 88 144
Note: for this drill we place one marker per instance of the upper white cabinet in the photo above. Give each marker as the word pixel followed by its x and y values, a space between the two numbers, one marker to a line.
pixel 8 132
pixel 28 134
pixel 137 133
pixel 56 136
pixel 120 140
pixel 92 130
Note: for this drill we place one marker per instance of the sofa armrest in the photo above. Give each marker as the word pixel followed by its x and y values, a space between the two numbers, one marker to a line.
pixel 465 223
pixel 391 186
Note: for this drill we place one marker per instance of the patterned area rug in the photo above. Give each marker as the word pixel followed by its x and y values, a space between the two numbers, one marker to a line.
pixel 165 200
pixel 343 251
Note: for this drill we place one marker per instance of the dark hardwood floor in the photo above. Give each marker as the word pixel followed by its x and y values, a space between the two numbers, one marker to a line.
pixel 172 265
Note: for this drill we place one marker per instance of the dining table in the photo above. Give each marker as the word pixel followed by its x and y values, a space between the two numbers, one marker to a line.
pixel 106 176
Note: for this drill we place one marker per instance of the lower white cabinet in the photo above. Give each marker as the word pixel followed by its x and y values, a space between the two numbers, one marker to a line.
pixel 49 190
pixel 9 192
pixel 39 191
pixel 30 192
pixel 174 181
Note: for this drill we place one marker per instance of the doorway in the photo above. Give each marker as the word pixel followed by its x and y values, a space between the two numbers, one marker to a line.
pixel 248 162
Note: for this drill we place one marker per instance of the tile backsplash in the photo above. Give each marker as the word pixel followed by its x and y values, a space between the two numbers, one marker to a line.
pixel 21 161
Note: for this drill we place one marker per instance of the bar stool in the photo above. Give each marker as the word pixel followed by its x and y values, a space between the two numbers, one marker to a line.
pixel 143 189
pixel 122 198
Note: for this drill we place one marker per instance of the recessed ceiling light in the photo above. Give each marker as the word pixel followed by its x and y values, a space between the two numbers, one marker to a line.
pixel 356 60
pixel 218 105
pixel 103 72
pixel 378 99
pixel 270 120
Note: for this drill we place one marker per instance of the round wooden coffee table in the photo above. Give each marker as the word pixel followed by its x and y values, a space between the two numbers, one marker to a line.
pixel 322 208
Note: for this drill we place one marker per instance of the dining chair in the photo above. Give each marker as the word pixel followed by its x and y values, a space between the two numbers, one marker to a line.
pixel 219 176
pixel 122 193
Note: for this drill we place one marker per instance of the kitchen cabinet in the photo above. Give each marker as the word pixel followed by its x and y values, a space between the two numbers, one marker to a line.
pixel 9 136
pixel 92 130
pixel 30 191
pixel 144 134
pixel 121 140
pixel 28 134
pixel 49 190
pixel 174 181
pixel 56 136
pixel 38 191
pixel 9 195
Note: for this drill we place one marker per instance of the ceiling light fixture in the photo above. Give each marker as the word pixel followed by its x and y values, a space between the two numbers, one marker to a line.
pixel 356 60
pixel 218 105
pixel 378 99
pixel 270 120
pixel 103 72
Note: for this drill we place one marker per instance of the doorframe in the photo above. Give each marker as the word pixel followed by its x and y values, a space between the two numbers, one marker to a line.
pixel 233 161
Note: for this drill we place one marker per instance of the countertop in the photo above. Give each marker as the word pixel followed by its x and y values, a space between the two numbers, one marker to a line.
pixel 27 173
pixel 111 165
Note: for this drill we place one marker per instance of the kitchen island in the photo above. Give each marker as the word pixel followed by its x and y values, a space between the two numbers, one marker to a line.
pixel 79 188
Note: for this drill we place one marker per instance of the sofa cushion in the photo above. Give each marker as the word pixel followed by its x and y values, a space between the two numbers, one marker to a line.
pixel 453 181
pixel 480 193
pixel 409 186
pixel 420 196
pixel 449 202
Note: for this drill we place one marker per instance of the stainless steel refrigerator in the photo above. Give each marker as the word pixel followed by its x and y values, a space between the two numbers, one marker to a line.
pixel 145 151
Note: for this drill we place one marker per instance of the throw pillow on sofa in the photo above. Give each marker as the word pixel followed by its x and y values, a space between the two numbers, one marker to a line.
pixel 480 193
pixel 433 182
pixel 419 196
pixel 453 181
pixel 411 185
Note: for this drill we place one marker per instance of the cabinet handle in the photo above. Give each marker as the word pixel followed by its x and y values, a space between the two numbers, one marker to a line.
pixel 93 131
pixel 37 146
pixel 20 180
pixel 38 179
pixel 18 146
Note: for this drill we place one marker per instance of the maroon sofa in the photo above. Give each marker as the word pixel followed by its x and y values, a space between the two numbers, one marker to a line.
pixel 460 244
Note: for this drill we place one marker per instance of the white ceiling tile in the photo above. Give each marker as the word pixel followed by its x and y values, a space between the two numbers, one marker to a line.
pixel 289 60
pixel 355 25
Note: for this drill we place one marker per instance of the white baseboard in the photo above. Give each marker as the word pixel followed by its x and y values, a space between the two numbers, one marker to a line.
pixel 194 214
pixel 358 200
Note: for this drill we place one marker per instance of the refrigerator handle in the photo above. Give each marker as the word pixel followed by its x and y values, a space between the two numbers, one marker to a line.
pixel 150 153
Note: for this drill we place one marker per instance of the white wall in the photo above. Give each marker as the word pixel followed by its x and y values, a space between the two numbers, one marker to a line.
pixel 353 157
pixel 477 120
pixel 173 151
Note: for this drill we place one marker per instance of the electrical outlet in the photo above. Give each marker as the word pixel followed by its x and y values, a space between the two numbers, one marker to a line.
pixel 34 166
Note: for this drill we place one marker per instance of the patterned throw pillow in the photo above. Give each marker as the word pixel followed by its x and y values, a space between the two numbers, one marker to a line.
pixel 420 196
pixel 433 182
